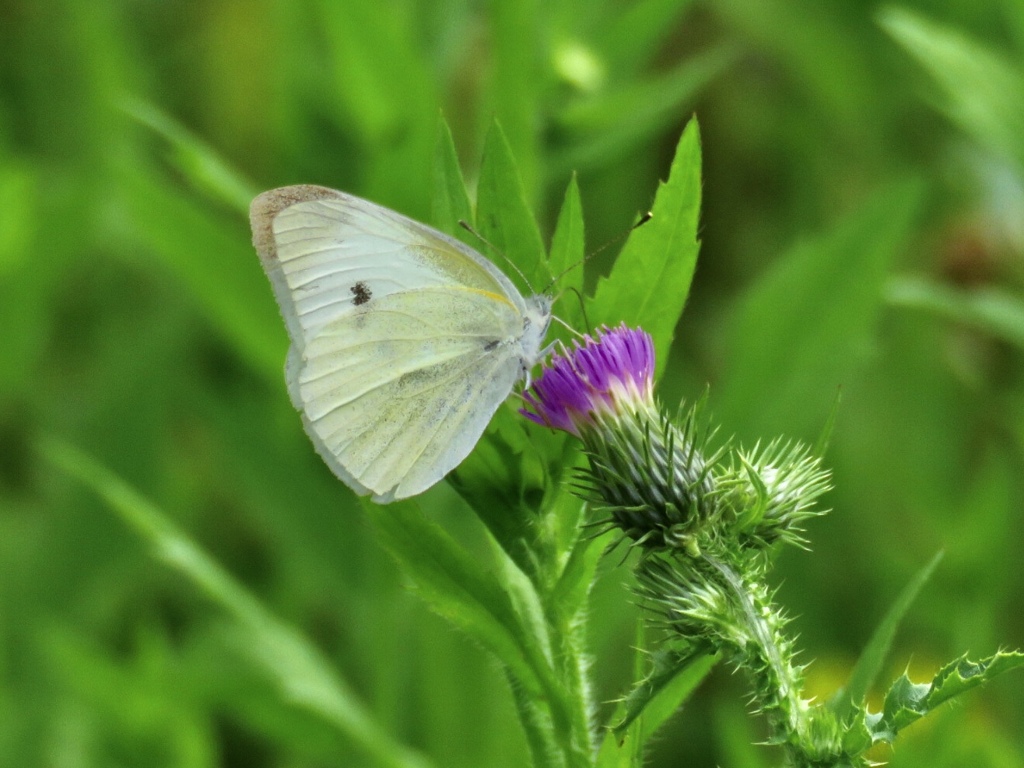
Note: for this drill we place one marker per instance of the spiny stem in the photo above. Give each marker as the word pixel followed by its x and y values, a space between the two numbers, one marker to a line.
pixel 783 677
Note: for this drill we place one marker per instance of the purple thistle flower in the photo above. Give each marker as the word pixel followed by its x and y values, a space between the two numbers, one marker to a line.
pixel 601 377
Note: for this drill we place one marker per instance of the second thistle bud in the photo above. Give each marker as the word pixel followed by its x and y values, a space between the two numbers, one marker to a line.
pixel 646 472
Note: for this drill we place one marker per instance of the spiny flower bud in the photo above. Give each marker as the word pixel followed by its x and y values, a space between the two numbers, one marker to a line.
pixel 646 472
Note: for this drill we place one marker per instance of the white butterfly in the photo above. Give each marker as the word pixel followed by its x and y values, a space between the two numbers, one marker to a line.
pixel 404 340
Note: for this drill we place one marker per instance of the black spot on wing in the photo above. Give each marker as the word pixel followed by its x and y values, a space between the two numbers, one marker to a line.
pixel 362 293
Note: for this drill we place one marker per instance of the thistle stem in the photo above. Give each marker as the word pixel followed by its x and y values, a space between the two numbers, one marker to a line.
pixel 777 679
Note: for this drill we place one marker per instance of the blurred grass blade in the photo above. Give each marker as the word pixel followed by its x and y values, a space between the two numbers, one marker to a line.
pixel 634 37
pixel 650 279
pixel 517 80
pixel 214 260
pixel 983 91
pixel 873 656
pixel 593 131
pixel 196 160
pixel 568 247
pixel 503 214
pixel 813 46
pixel 801 329
pixel 988 309
pixel 303 676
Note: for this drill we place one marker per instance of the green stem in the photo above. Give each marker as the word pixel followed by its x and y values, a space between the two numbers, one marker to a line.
pixel 769 656
pixel 571 712
pixel 572 670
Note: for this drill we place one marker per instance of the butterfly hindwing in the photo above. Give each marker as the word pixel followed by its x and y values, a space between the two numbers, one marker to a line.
pixel 405 341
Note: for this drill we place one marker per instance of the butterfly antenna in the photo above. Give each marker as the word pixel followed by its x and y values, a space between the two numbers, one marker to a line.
pixel 640 222
pixel 583 310
pixel 469 228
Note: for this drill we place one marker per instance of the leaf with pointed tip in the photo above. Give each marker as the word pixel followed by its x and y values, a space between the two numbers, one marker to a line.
pixel 873 656
pixel 671 680
pixel 650 280
pixel 567 254
pixel 197 161
pixel 503 214
pixel 450 201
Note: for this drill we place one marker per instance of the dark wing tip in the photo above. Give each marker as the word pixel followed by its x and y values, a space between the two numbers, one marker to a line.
pixel 268 204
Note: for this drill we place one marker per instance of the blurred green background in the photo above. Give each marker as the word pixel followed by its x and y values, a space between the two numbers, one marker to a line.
pixel 863 229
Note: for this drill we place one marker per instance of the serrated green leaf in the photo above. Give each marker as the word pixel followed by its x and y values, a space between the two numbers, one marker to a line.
pixel 906 702
pixel 857 733
pixel 799 331
pixel 671 680
pixel 196 160
pixel 503 215
pixel 866 670
pixel 459 588
pixel 300 671
pixel 566 258
pixel 983 91
pixel 450 200
pixel 650 280
pixel 963 674
pixel 988 309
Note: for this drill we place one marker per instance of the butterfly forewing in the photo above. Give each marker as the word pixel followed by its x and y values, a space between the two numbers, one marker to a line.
pixel 405 341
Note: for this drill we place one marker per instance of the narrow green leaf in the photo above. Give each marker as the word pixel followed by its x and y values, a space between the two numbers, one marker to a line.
pixel 866 670
pixel 303 676
pixel 196 160
pixel 572 587
pixel 670 682
pixel 801 329
pixel 214 261
pixel 983 91
pixel 821 444
pixel 567 253
pixel 988 309
pixel 650 280
pixel 504 217
pixel 450 199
